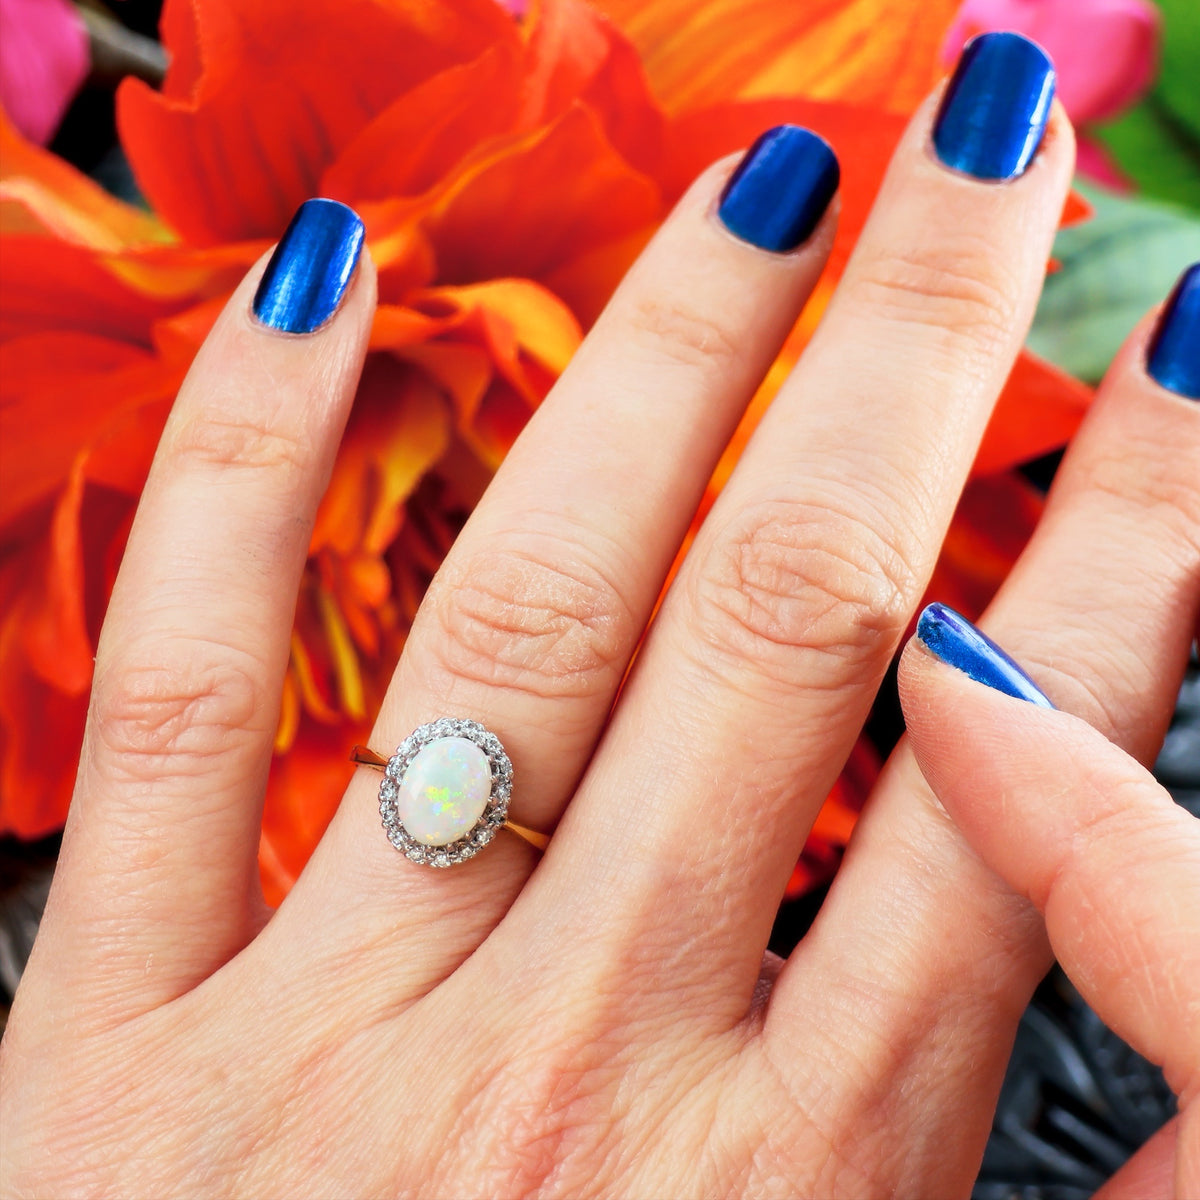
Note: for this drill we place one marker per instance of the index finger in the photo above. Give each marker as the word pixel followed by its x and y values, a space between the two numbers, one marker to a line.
pixel 158 883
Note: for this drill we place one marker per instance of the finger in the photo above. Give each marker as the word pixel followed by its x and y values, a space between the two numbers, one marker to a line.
pixel 1150 1172
pixel 1100 608
pixel 532 619
pixel 1069 820
pixel 769 648
pixel 158 882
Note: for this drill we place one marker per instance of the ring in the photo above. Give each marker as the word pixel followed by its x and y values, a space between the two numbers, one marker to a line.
pixel 445 792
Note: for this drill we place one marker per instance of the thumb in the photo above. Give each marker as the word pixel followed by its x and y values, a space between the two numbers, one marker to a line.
pixel 1072 822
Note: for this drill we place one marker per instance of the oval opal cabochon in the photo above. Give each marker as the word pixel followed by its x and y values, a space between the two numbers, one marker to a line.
pixel 444 791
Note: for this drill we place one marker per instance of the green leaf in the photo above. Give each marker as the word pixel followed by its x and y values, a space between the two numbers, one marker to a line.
pixel 1177 86
pixel 1156 152
pixel 1114 268
pixel 1157 142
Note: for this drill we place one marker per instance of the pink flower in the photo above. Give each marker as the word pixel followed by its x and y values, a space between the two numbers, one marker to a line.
pixel 44 59
pixel 1106 53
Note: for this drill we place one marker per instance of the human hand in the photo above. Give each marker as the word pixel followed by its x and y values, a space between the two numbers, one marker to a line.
pixel 604 1020
pixel 1100 848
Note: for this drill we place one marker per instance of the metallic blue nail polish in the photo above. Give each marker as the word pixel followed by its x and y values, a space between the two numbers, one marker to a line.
pixel 311 268
pixel 952 638
pixel 781 189
pixel 995 107
pixel 1174 356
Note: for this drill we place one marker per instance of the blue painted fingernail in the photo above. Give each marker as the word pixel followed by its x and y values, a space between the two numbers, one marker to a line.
pixel 1174 356
pixel 781 189
pixel 952 638
pixel 311 268
pixel 995 108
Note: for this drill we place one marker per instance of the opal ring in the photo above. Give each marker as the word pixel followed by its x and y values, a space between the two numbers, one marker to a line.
pixel 445 792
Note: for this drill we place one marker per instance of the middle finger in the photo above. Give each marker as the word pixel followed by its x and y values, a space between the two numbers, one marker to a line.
pixel 759 672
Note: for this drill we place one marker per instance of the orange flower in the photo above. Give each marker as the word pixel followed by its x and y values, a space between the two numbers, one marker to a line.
pixel 508 172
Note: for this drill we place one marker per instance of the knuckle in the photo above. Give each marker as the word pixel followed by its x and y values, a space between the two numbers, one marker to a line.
pixel 180 717
pixel 227 441
pixel 550 1113
pixel 683 334
pixel 789 579
pixel 955 288
pixel 526 624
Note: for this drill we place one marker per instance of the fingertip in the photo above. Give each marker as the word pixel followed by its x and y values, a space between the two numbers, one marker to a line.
pixel 311 268
pixel 1059 144
pixel 779 193
pixel 1160 354
pixel 913 675
pixel 1053 161
pixel 958 643
pixel 1173 352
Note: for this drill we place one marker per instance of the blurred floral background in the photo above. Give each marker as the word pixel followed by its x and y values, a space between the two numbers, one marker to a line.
pixel 509 160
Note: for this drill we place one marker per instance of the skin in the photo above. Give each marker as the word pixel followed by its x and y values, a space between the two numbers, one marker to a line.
pixel 604 1020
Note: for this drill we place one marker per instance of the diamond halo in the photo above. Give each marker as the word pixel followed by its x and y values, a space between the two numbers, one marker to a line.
pixel 495 811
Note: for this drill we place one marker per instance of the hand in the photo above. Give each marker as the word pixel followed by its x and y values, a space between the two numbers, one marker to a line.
pixel 1069 820
pixel 1074 823
pixel 604 1020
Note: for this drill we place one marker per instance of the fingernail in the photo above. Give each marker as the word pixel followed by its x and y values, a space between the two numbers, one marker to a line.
pixel 781 189
pixel 311 268
pixel 995 107
pixel 1174 356
pixel 949 636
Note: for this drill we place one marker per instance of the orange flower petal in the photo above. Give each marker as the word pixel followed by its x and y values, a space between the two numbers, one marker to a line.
pixel 1075 210
pixel 541 323
pixel 996 516
pixel 576 55
pixel 343 656
pixel 540 203
pixel 267 95
pixel 313 686
pixel 48 284
pixel 41 728
pixel 396 325
pixel 398 428
pixel 1039 411
pixel 305 788
pixel 501 416
pixel 439 123
pixel 697 52
pixel 59 200
pixel 462 370
pixel 58 394
pixel 55 634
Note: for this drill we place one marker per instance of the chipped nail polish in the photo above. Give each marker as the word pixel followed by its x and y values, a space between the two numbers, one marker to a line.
pixel 950 637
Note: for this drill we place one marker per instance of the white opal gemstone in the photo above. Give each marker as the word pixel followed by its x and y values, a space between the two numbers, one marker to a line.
pixel 444 791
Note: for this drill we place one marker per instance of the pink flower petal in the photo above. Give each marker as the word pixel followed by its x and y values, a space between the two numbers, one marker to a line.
pixel 1106 51
pixel 44 59
pixel 1094 162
